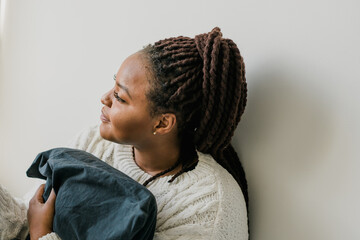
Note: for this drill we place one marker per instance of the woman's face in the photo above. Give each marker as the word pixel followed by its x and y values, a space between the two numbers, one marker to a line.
pixel 125 116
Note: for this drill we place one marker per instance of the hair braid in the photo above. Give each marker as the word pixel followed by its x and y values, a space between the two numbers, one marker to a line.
pixel 231 104
pixel 224 103
pixel 202 81
pixel 207 88
pixel 240 94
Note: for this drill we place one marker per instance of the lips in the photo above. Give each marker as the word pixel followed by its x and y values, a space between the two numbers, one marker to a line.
pixel 103 117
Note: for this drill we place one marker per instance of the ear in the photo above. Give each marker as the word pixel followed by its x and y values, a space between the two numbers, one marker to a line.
pixel 165 124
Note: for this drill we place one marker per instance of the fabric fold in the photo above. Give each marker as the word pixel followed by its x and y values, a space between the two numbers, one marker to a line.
pixel 93 199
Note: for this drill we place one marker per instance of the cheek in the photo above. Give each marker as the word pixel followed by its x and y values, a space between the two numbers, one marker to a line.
pixel 121 120
pixel 130 122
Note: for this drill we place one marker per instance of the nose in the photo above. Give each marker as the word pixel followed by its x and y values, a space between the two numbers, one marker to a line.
pixel 106 99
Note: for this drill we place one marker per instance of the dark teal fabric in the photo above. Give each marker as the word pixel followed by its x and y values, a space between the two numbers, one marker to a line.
pixel 93 199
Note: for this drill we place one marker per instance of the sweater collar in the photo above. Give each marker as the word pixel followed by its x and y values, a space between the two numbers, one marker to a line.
pixel 123 156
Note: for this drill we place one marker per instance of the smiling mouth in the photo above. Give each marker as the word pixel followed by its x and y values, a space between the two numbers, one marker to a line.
pixel 103 118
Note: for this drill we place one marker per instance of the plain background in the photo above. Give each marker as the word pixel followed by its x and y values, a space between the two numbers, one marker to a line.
pixel 298 138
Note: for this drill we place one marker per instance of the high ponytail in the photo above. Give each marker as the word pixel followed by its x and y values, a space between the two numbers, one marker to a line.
pixel 224 100
pixel 202 81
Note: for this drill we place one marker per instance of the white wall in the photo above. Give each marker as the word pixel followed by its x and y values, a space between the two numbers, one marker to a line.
pixel 298 138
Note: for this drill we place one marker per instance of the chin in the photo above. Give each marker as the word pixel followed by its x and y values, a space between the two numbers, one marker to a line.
pixel 104 132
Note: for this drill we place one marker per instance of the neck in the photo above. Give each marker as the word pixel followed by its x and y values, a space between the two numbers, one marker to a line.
pixel 157 158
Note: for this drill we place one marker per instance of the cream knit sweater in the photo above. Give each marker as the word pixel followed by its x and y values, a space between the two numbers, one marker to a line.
pixel 205 203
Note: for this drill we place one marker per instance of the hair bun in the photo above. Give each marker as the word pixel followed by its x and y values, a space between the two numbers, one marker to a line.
pixel 203 40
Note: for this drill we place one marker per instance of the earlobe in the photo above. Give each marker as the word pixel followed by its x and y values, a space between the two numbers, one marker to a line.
pixel 166 123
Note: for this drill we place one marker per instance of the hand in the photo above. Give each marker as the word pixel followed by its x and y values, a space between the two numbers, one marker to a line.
pixel 41 215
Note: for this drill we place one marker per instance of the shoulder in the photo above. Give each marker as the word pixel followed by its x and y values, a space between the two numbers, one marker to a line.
pixel 205 203
pixel 231 219
pixel 90 140
pixel 84 137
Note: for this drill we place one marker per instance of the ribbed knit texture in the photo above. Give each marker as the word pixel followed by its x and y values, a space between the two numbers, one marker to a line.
pixel 13 220
pixel 204 203
pixel 50 236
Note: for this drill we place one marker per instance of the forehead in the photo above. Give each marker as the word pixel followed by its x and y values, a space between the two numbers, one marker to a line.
pixel 132 74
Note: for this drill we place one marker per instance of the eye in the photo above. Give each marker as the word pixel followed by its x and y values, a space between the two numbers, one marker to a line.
pixel 118 98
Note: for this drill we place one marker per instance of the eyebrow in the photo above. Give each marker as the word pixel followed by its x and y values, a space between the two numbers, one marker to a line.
pixel 122 87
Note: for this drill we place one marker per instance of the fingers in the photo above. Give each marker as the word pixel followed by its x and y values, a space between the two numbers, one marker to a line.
pixel 40 215
pixel 38 195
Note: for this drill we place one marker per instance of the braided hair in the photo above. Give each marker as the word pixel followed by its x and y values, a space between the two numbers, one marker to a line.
pixel 202 81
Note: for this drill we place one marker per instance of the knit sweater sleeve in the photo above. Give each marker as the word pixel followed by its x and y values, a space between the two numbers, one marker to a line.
pixel 231 220
pixel 13 212
pixel 50 236
pixel 13 219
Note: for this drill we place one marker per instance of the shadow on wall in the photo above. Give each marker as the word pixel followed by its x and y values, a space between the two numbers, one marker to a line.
pixel 283 136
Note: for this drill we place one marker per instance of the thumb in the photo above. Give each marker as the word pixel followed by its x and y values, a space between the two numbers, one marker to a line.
pixel 51 199
pixel 39 193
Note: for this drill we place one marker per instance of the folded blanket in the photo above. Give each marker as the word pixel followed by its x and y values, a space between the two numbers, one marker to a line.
pixel 93 199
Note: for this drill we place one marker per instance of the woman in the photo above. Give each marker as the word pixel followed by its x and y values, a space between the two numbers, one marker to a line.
pixel 167 123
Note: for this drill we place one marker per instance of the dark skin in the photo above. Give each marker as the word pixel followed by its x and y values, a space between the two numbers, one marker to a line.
pixel 126 119
pixel 40 215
